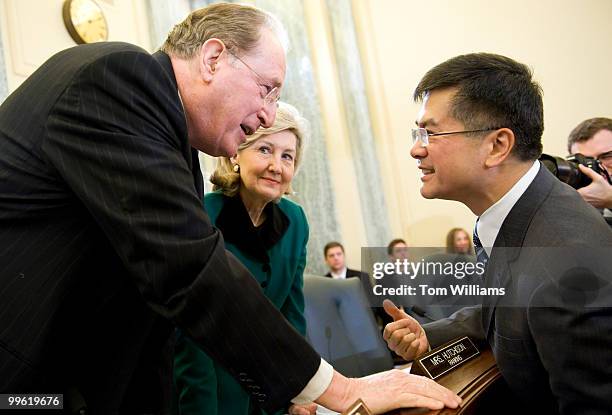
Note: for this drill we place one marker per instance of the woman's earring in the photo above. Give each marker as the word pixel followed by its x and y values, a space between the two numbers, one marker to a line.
pixel 236 168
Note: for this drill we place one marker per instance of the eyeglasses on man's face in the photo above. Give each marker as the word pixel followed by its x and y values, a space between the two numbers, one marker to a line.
pixel 269 94
pixel 422 135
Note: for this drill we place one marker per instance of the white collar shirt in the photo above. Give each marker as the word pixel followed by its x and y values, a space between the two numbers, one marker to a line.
pixel 490 222
pixel 340 275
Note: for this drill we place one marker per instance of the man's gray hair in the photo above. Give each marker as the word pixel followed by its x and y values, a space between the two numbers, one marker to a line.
pixel 237 26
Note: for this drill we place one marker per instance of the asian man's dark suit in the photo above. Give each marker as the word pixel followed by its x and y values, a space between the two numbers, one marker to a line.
pixel 104 244
pixel 551 333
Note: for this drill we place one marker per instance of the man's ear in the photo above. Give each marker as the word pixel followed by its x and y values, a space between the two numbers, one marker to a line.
pixel 209 58
pixel 500 144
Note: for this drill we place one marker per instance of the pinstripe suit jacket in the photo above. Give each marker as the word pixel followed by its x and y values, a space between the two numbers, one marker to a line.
pixel 104 245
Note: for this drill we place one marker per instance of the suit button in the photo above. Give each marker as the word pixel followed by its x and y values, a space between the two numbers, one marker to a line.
pixel 264 284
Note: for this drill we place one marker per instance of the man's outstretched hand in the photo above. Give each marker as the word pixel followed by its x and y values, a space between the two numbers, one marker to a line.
pixel 385 391
pixel 393 389
pixel 404 336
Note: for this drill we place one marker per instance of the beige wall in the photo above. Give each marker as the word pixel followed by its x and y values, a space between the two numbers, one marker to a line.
pixel 33 30
pixel 342 168
pixel 566 42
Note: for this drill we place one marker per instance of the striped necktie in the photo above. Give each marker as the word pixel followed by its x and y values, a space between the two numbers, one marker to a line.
pixel 481 253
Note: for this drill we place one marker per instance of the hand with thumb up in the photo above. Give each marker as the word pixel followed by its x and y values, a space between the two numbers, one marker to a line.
pixel 404 336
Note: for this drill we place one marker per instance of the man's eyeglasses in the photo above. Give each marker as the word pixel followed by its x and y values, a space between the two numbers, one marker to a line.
pixel 269 94
pixel 422 135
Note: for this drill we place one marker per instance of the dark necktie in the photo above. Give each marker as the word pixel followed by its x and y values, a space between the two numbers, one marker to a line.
pixel 481 253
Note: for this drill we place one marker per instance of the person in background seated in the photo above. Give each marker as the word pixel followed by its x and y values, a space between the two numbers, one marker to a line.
pixel 593 138
pixel 335 260
pixel 268 234
pixel 397 249
pixel 458 241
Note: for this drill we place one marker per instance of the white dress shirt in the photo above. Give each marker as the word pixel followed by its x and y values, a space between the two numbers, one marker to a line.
pixel 490 222
pixel 317 384
pixel 339 275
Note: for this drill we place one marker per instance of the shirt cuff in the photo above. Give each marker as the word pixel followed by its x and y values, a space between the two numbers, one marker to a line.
pixel 317 385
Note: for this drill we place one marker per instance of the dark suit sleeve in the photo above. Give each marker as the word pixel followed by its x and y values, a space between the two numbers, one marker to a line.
pixel 126 159
pixel 464 322
pixel 574 339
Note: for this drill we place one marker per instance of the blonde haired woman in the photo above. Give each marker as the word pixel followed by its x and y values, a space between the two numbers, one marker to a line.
pixel 268 234
pixel 458 241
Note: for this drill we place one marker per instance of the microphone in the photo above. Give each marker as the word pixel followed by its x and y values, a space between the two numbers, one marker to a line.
pixel 328 336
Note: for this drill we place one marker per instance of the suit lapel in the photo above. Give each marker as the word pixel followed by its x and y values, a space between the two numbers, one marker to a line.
pixel 510 241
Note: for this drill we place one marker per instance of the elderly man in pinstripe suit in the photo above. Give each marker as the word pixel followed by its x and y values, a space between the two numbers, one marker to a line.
pixel 105 247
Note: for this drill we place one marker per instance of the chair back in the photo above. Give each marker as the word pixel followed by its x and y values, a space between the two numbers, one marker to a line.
pixel 341 327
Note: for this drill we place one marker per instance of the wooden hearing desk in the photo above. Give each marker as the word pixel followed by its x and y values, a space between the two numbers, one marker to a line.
pixel 478 383
pixel 476 379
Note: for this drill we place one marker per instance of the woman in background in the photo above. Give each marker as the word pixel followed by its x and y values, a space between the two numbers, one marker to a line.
pixel 268 234
pixel 458 242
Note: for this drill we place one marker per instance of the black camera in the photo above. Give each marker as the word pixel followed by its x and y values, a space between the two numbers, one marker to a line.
pixel 567 169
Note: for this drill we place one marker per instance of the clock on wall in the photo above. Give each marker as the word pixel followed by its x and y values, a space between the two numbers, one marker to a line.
pixel 85 21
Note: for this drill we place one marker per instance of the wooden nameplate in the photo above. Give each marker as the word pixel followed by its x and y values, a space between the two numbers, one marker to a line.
pixel 462 367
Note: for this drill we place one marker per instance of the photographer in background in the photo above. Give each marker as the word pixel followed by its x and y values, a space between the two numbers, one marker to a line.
pixel 593 138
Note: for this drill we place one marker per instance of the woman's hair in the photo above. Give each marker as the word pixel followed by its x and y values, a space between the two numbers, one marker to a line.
pixel 450 240
pixel 225 179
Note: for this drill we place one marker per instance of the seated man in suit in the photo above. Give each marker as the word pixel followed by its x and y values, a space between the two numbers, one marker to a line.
pixel 333 252
pixel 477 141
pixel 397 249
